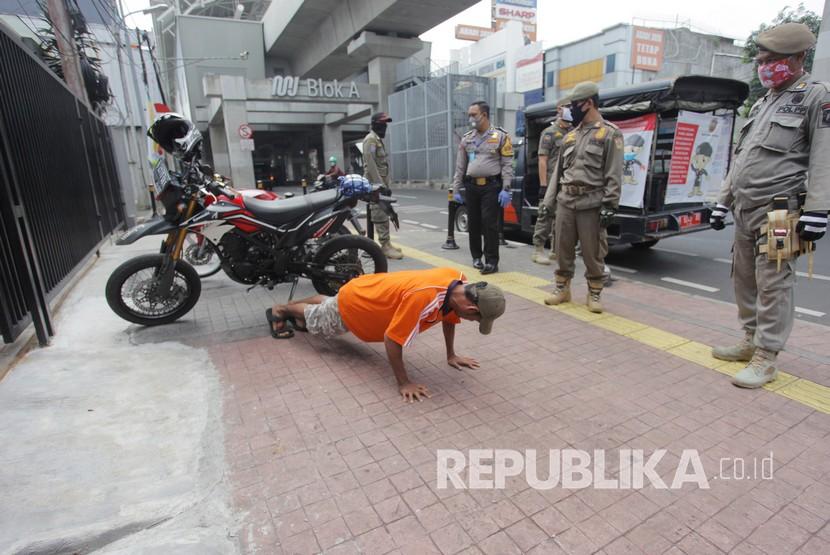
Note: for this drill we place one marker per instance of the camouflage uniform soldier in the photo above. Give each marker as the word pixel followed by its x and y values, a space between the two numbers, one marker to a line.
pixel 786 137
pixel 376 170
pixel 587 176
pixel 549 144
pixel 485 166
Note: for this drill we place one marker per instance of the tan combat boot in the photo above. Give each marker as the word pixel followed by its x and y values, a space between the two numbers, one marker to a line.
pixel 760 370
pixel 593 301
pixel 391 252
pixel 562 293
pixel 740 352
pixel 539 256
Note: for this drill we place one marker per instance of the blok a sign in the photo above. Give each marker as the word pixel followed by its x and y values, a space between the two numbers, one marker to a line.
pixel 316 88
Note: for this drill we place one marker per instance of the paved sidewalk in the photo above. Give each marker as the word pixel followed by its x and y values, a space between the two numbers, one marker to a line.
pixel 325 457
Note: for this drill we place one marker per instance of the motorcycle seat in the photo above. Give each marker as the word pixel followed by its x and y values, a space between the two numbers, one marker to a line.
pixel 283 211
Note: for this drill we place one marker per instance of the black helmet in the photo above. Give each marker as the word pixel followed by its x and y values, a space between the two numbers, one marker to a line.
pixel 176 135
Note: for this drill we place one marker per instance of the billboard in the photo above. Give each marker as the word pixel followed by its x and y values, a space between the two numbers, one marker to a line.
pixel 529 73
pixel 472 32
pixel 647 47
pixel 516 10
pixel 699 157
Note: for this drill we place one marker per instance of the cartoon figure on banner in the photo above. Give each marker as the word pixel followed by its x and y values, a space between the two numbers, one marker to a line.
pixel 701 159
pixel 633 147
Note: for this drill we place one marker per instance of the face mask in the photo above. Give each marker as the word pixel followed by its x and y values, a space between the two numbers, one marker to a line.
pixel 629 156
pixel 474 122
pixel 566 115
pixel 774 74
pixel 380 129
pixel 576 113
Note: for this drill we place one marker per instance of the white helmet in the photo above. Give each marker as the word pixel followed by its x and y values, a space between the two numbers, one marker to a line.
pixel 176 135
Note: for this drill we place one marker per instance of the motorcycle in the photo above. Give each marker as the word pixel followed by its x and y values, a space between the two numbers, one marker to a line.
pixel 325 182
pixel 259 242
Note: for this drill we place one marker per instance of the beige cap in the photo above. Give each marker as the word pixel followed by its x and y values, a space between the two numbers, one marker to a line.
pixel 491 304
pixel 564 101
pixel 787 38
pixel 584 90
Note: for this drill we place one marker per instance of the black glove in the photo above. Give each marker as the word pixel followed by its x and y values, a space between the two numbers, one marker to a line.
pixel 812 225
pixel 716 220
pixel 606 216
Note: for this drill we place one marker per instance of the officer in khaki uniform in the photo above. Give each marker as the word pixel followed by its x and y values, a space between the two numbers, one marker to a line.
pixel 485 166
pixel 786 138
pixel 549 143
pixel 588 177
pixel 376 170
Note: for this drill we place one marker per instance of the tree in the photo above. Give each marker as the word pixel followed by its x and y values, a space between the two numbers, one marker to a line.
pixel 786 15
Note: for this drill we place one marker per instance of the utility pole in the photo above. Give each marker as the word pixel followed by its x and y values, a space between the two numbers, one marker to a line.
pixel 65 36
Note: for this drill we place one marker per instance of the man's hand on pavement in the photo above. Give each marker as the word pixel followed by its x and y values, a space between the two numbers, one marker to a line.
pixel 459 363
pixel 413 391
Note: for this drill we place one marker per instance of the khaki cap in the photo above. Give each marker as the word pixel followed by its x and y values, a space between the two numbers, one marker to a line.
pixel 491 304
pixel 564 101
pixel 584 90
pixel 787 38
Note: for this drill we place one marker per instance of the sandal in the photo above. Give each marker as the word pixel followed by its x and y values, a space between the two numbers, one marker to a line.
pixel 287 330
pixel 295 325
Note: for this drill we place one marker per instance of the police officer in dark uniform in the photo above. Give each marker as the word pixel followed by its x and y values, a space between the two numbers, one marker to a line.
pixel 484 166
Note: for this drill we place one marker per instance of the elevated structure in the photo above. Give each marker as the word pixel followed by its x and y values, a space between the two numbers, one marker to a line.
pixel 304 75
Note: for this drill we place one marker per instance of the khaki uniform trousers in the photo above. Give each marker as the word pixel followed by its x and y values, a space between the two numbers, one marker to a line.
pixel 582 226
pixel 765 296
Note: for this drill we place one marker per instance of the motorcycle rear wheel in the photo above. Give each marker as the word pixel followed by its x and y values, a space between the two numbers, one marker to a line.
pixel 351 255
pixel 130 295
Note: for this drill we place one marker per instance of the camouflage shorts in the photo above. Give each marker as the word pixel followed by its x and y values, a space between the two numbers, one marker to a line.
pixel 324 318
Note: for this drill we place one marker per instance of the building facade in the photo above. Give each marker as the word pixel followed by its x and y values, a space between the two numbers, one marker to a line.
pixel 626 54
pixel 276 96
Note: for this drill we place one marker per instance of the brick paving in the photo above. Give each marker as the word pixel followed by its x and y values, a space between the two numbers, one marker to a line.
pixel 325 457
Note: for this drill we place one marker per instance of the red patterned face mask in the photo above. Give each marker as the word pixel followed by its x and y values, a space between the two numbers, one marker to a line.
pixel 774 74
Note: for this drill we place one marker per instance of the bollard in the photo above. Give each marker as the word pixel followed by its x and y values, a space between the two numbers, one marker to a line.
pixel 152 189
pixel 304 183
pixel 259 184
pixel 452 208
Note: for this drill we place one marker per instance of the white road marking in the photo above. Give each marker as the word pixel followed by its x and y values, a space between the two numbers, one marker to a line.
pixel 429 226
pixel 799 274
pixel 809 312
pixel 444 212
pixel 690 284
pixel 411 222
pixel 405 196
pixel 684 253
pixel 623 270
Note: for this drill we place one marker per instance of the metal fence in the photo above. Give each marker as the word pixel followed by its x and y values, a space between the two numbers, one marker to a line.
pixel 59 191
pixel 428 121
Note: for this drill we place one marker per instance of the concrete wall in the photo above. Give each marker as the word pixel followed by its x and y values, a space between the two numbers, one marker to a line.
pixel 217 42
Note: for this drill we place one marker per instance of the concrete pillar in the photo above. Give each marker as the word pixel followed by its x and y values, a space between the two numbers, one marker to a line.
pixel 219 150
pixel 382 74
pixel 333 146
pixel 821 62
pixel 235 112
pixel 289 168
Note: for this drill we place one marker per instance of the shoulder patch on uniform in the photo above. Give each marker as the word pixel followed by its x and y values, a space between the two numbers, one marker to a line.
pixel 618 142
pixel 801 86
pixel 500 129
pixel 557 134
pixel 600 133
pixel 824 120
pixel 570 137
pixel 610 124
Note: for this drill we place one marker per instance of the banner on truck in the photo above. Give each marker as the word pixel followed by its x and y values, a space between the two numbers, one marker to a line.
pixel 700 157
pixel 638 133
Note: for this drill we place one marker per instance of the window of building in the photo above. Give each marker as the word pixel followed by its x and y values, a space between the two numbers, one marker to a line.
pixel 499 64
pixel 610 63
pixel 549 79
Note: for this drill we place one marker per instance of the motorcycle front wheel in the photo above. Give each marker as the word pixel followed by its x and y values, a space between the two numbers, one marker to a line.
pixel 200 253
pixel 131 291
pixel 344 258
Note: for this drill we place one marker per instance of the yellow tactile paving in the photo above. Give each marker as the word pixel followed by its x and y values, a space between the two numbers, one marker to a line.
pixel 806 392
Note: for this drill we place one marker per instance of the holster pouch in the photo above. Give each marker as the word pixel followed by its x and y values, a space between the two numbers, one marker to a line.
pixel 783 242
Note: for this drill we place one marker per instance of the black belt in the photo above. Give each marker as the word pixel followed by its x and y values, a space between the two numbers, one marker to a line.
pixel 782 202
pixel 482 180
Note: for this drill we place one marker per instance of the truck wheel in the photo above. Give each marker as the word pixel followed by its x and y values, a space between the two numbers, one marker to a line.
pixel 462 222
pixel 644 245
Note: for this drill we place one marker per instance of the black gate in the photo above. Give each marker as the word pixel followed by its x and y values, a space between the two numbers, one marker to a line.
pixel 59 191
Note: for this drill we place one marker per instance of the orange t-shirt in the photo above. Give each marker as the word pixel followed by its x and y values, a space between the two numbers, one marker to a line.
pixel 398 305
